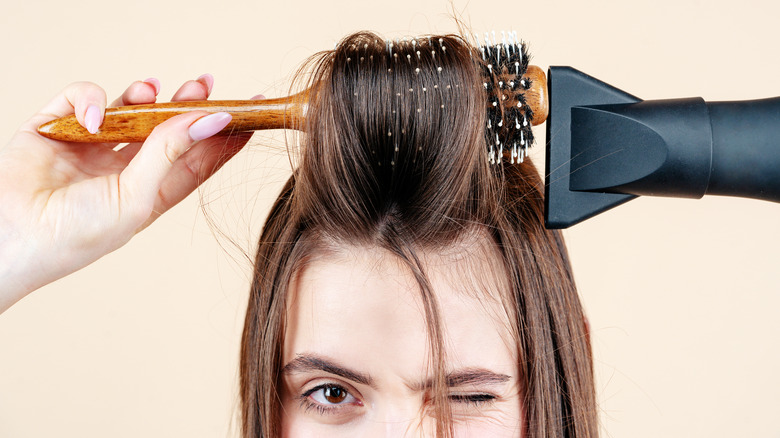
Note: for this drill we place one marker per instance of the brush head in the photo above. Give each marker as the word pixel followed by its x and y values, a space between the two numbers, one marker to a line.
pixel 504 67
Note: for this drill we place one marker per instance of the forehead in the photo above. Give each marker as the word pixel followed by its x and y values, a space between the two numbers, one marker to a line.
pixel 363 306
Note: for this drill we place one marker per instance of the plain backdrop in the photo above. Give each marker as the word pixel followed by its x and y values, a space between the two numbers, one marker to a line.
pixel 682 295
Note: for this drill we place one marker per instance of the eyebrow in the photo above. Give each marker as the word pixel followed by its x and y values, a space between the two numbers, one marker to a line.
pixel 307 363
pixel 472 376
pixel 467 376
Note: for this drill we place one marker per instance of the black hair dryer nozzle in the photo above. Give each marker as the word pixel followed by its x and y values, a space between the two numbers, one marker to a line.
pixel 604 147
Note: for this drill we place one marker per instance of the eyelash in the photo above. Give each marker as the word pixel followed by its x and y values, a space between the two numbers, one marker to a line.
pixel 473 399
pixel 308 404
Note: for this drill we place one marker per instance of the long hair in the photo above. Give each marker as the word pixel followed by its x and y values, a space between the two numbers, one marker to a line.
pixel 394 156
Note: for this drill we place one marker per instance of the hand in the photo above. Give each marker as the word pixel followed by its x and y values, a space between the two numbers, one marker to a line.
pixel 64 205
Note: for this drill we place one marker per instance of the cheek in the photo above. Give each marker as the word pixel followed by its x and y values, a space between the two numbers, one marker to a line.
pixel 499 425
pixel 297 425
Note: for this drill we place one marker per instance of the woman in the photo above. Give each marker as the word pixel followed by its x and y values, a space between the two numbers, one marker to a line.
pixel 403 285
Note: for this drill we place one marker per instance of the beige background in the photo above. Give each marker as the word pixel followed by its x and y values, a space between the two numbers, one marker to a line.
pixel 682 295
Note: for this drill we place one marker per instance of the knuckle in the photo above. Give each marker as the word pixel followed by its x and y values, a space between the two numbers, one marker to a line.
pixel 171 143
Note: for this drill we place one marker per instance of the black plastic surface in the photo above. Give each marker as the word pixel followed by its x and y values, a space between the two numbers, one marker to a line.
pixel 746 149
pixel 651 148
pixel 568 88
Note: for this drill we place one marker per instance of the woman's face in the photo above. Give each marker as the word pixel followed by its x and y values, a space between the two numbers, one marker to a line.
pixel 356 356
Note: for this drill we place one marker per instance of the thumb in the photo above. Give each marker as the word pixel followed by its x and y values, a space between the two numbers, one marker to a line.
pixel 140 182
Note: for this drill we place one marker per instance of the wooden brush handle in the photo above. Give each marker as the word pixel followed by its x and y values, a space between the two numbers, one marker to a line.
pixel 134 123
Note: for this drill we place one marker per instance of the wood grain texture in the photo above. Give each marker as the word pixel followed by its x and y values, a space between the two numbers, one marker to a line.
pixel 134 123
pixel 536 96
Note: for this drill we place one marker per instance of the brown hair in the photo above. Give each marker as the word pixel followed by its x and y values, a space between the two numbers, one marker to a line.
pixel 394 156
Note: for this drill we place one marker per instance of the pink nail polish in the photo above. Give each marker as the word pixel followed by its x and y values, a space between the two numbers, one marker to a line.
pixel 92 119
pixel 154 83
pixel 209 125
pixel 208 80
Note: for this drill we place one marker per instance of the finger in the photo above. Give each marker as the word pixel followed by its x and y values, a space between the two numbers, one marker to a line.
pixel 140 182
pixel 195 167
pixel 139 92
pixel 129 151
pixel 199 89
pixel 85 99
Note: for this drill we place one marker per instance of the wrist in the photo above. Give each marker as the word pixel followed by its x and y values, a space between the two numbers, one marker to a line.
pixel 17 276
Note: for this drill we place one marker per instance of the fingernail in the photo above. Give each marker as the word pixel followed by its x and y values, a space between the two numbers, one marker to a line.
pixel 258 97
pixel 208 80
pixel 92 119
pixel 154 83
pixel 209 125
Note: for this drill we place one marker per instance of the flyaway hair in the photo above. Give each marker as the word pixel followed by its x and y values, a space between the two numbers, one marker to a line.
pixel 394 157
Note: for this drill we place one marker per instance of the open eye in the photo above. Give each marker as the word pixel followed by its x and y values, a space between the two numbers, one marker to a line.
pixel 331 395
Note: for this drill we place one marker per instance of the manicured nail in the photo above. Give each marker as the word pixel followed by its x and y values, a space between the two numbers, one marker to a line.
pixel 154 83
pixel 92 119
pixel 208 80
pixel 258 97
pixel 209 125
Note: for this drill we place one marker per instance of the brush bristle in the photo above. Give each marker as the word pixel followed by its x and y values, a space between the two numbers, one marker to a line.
pixel 508 130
